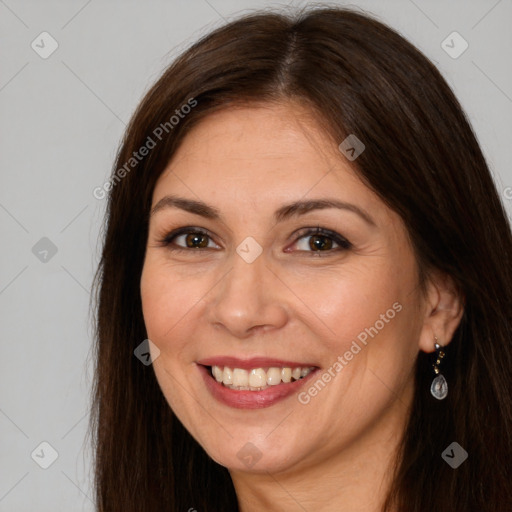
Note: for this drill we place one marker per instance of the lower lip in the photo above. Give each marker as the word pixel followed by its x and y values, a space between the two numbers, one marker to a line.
pixel 251 399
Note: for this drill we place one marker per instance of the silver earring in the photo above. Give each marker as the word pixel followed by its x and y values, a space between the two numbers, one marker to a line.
pixel 439 387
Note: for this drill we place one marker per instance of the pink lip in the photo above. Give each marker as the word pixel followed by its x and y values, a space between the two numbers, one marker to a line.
pixel 252 399
pixel 254 362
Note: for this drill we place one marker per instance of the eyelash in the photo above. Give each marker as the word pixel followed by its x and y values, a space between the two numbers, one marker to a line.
pixel 343 243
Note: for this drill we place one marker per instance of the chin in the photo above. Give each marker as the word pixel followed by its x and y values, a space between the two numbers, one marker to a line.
pixel 254 456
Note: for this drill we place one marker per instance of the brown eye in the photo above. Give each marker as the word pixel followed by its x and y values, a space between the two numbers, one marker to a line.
pixel 322 240
pixel 192 238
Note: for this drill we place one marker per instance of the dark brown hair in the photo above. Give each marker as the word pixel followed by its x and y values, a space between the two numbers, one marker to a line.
pixel 422 158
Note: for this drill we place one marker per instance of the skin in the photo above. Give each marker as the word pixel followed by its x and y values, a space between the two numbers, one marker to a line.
pixel 333 453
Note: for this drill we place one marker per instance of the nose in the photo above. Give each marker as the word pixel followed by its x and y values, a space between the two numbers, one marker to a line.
pixel 249 299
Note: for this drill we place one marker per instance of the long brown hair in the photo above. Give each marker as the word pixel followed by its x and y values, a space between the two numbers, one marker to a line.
pixel 422 158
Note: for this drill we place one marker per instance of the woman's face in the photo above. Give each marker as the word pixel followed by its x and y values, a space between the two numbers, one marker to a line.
pixel 260 294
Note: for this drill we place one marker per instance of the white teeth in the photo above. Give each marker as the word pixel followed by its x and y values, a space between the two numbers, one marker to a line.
pixel 217 373
pixel 240 377
pixel 274 376
pixel 257 378
pixel 286 374
pixel 227 376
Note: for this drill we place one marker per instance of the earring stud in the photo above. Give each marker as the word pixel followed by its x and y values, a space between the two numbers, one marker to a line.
pixel 439 387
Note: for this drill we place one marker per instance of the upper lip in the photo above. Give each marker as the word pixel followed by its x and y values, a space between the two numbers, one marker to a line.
pixel 253 362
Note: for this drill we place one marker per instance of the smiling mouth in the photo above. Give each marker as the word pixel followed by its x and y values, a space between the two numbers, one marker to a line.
pixel 257 379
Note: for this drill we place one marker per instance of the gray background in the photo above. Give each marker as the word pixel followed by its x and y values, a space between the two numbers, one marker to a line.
pixel 61 121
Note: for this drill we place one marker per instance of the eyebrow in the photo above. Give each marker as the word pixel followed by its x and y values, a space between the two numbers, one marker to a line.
pixel 284 212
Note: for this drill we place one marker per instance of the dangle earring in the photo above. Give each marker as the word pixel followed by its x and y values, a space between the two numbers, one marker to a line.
pixel 439 387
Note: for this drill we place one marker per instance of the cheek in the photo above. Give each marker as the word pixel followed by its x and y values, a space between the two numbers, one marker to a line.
pixel 161 307
pixel 348 299
pixel 371 321
pixel 383 322
pixel 165 302
pixel 155 297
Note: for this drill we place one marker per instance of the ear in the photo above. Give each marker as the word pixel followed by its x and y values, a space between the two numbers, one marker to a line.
pixel 443 310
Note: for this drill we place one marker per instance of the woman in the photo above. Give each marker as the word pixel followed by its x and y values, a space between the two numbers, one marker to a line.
pixel 304 239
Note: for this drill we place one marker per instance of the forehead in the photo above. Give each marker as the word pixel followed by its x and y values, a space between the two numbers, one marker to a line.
pixel 258 158
pixel 266 147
